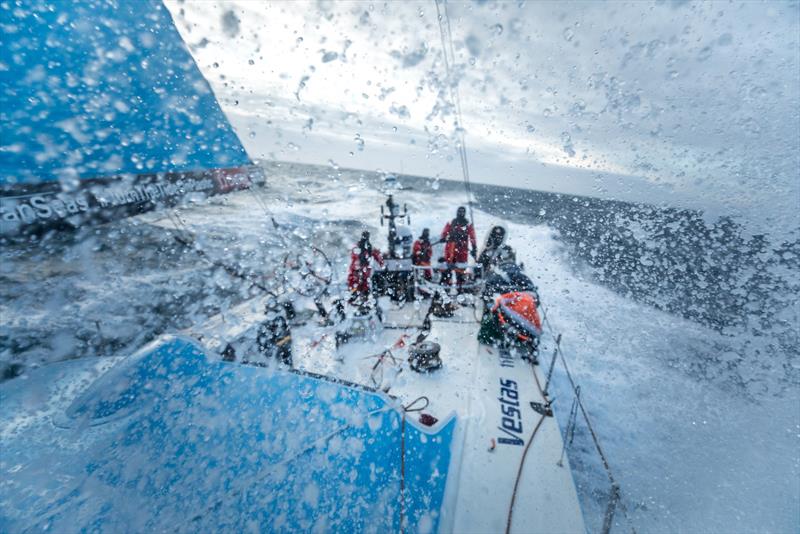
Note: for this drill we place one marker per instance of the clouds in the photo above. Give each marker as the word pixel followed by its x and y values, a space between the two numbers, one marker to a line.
pixel 699 99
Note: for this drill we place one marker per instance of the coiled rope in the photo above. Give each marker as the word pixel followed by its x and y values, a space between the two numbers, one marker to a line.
pixel 410 407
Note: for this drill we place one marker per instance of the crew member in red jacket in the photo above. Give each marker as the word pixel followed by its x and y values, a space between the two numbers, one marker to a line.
pixel 422 252
pixel 360 270
pixel 458 235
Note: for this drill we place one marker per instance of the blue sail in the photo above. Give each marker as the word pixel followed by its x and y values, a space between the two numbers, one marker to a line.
pixel 172 439
pixel 103 97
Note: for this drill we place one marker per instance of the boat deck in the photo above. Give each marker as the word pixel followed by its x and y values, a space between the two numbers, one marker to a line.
pixel 489 392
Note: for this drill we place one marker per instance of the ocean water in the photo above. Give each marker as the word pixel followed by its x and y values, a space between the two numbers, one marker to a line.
pixel 681 332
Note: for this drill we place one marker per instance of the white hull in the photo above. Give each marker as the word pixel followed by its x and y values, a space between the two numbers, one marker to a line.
pixel 474 385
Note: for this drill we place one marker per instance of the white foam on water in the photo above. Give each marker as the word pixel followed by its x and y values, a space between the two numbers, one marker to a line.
pixel 691 454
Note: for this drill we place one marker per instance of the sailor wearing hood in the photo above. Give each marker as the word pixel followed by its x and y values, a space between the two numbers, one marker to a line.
pixel 494 240
pixel 360 269
pixel 458 235
pixel 422 252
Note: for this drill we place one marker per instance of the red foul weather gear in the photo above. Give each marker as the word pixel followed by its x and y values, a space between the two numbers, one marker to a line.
pixel 421 256
pixel 458 235
pixel 359 273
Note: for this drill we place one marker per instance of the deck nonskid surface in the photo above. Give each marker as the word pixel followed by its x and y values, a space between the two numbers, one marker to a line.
pixel 489 393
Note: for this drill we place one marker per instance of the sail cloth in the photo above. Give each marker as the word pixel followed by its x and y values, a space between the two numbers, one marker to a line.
pixel 169 440
pixel 102 106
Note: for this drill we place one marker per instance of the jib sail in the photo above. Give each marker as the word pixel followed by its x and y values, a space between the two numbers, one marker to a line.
pixel 103 112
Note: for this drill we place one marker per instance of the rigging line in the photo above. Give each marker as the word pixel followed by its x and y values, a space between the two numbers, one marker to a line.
pixel 261 202
pixel 539 385
pixel 264 205
pixel 413 405
pixel 183 234
pixel 456 98
pixel 234 271
pixel 519 473
pixel 410 407
pixel 458 102
pixel 525 454
pixel 185 237
pixel 461 131
pixel 446 35
pixel 231 270
pixel 595 439
pixel 269 214
pixel 583 410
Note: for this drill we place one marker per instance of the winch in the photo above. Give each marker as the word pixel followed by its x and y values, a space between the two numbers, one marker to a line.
pixel 424 356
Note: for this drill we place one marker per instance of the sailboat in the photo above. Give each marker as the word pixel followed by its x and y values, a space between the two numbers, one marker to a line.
pixel 306 413
pixel 405 424
pixel 91 144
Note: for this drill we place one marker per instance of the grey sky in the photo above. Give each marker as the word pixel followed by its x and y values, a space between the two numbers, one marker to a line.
pixel 688 104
